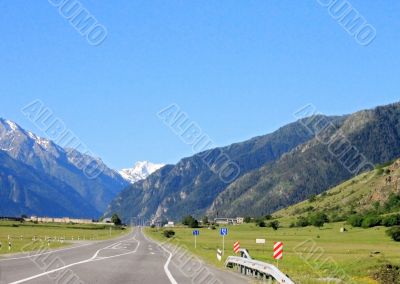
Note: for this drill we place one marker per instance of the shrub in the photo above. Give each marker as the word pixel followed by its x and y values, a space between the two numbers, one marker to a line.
pixel 274 225
pixel 390 221
pixel 260 223
pixel 355 220
pixel 318 219
pixel 268 217
pixel 116 220
pixel 394 233
pixel 247 220
pixel 312 198
pixel 302 222
pixel 371 221
pixel 152 226
pixel 190 222
pixel 168 233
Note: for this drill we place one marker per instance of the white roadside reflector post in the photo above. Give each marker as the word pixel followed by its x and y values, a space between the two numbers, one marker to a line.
pixel 219 254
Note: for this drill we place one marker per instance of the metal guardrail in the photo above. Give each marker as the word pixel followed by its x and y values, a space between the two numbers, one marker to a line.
pixel 257 269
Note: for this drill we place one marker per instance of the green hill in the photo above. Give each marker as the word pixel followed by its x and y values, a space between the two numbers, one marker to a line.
pixel 367 192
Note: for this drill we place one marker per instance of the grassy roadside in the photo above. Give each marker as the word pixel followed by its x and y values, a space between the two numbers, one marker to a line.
pixel 28 236
pixel 355 253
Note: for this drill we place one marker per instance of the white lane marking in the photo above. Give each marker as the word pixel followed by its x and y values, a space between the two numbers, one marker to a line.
pixel 39 254
pixel 52 251
pixel 92 259
pixel 166 269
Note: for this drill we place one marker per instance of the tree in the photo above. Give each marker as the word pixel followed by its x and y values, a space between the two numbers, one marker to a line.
pixel 394 233
pixel 318 219
pixel 116 220
pixel 205 220
pixel 247 219
pixel 190 222
pixel 274 225
pixel 371 221
pixel 391 220
pixel 268 217
pixel 260 223
pixel 302 222
pixel 355 220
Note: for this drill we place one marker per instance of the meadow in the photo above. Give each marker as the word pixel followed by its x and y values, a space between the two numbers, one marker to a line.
pixel 29 236
pixel 311 255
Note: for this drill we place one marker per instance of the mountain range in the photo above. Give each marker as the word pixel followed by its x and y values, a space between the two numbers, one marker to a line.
pixel 273 171
pixel 38 177
pixel 301 159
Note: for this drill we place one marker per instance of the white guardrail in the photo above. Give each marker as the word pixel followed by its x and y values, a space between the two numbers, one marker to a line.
pixel 257 269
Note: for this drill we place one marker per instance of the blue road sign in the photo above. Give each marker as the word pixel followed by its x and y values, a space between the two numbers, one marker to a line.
pixel 196 233
pixel 224 231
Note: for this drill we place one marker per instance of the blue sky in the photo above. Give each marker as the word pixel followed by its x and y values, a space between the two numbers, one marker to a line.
pixel 237 68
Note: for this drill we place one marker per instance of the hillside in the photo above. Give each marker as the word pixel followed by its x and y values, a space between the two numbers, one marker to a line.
pixel 357 195
pixel 315 166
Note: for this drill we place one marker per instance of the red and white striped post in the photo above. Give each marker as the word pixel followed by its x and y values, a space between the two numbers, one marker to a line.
pixel 236 247
pixel 278 252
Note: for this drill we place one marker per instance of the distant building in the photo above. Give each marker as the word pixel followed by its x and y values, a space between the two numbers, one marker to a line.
pixel 59 220
pixel 169 225
pixel 107 220
pixel 229 221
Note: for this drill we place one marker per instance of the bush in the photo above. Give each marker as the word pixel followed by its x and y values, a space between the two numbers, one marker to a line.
pixel 302 222
pixel 268 217
pixel 318 219
pixel 260 223
pixel 393 202
pixel 247 220
pixel 312 198
pixel 390 221
pixel 371 221
pixel 274 225
pixel 116 220
pixel 190 222
pixel 355 220
pixel 394 233
pixel 168 233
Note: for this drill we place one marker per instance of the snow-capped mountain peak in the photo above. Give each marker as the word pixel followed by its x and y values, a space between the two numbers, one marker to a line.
pixel 140 170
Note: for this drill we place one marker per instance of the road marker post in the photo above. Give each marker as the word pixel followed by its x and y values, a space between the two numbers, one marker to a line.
pixel 223 232
pixel 9 245
pixel 195 234
pixel 236 247
pixel 219 254
pixel 278 252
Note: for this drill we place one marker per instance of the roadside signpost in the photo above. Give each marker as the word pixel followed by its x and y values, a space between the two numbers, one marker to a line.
pixel 195 234
pixel 223 232
pixel 236 247
pixel 278 252
pixel 261 242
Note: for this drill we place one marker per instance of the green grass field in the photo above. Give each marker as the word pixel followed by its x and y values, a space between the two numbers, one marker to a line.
pixel 29 236
pixel 310 254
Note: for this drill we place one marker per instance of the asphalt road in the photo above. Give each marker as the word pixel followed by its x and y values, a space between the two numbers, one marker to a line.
pixel 129 259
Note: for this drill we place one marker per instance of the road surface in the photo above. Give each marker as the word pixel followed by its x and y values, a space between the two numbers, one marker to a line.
pixel 129 259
